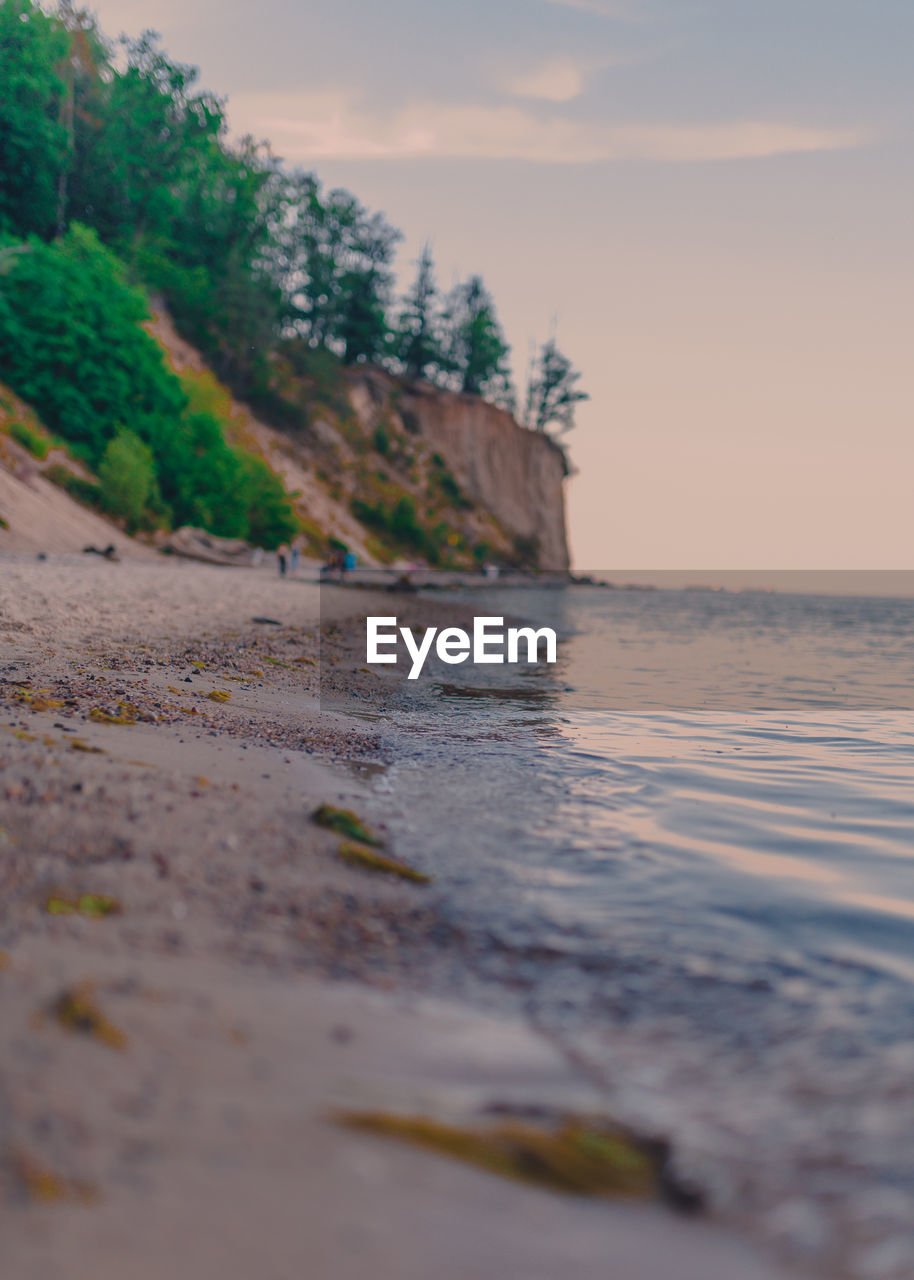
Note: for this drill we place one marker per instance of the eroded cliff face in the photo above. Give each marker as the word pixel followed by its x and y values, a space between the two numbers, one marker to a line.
pixel 515 475
pixel 479 486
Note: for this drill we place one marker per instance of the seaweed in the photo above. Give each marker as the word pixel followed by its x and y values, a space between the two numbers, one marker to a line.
pixel 43 1185
pixel 345 823
pixel 356 855
pixel 87 904
pixel 219 695
pixel 126 714
pixel 78 744
pixel 36 700
pixel 576 1156
pixel 77 1009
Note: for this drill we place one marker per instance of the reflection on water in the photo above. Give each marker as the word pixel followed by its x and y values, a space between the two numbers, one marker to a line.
pixel 690 846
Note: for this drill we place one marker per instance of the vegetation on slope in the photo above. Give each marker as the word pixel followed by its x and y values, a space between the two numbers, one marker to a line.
pixel 118 176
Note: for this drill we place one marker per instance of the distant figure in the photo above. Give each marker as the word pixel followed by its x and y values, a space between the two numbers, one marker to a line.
pixel 282 555
pixel 350 560
pixel 296 552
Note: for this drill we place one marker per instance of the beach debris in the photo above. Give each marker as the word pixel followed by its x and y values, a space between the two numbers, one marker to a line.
pixel 357 855
pixel 575 1155
pixel 79 744
pixel 268 622
pixel 77 1009
pixel 44 1186
pixel 345 823
pixel 125 714
pixel 109 552
pixel 219 695
pixel 96 905
pixel 36 699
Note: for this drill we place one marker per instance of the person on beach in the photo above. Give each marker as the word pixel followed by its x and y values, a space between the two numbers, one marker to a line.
pixel 282 556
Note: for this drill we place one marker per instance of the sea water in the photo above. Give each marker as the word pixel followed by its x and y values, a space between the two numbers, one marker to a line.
pixel 687 850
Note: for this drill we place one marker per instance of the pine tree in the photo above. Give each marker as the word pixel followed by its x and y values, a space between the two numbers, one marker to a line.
pixel 552 393
pixel 419 340
pixel 475 344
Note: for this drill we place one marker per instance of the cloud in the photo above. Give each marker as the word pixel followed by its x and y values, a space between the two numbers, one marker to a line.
pixel 309 127
pixel 559 80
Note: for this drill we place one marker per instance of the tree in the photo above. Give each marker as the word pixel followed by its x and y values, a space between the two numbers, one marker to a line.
pixel 476 349
pixel 33 138
pixel 334 260
pixel 127 477
pixel 419 339
pixel 552 392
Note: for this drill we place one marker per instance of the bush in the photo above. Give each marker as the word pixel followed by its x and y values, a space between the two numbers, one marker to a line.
pixel 73 346
pixel 271 519
pixel 39 446
pixel 84 491
pixel 127 479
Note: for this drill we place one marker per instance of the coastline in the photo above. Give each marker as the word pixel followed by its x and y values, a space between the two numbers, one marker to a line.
pixel 259 982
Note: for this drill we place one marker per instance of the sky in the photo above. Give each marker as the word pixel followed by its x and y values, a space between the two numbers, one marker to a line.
pixel 711 201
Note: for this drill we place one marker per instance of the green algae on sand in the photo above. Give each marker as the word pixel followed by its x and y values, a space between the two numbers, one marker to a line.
pixel 76 1009
pixel 345 823
pixel 576 1156
pixel 87 904
pixel 357 855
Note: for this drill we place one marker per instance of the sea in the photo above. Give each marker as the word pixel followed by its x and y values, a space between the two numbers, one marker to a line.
pixel 686 853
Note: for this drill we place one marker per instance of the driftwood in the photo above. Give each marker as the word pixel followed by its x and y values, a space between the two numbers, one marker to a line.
pixel 197 544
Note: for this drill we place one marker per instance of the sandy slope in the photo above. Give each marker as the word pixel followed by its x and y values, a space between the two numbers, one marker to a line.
pixel 206 1139
pixel 41 517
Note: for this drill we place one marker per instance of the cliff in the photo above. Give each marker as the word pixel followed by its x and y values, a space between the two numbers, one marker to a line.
pixel 397 470
pixel 516 475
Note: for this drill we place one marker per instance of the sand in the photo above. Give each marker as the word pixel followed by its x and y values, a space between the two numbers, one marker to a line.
pixel 252 982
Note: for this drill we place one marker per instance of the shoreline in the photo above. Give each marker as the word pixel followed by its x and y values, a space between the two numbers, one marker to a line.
pixel 257 981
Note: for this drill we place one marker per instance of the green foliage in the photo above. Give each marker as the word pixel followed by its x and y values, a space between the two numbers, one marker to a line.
pixel 127 478
pixel 271 519
pixel 419 340
pixel 476 349
pixel 334 260
pixel 120 137
pixel 399 522
pixel 552 391
pixel 115 149
pixel 39 446
pixel 33 140
pixel 84 491
pixel 72 346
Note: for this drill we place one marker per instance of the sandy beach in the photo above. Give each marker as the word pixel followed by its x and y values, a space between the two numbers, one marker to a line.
pixel 243 984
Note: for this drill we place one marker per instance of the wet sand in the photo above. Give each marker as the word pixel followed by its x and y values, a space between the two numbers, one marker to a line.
pixel 251 982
